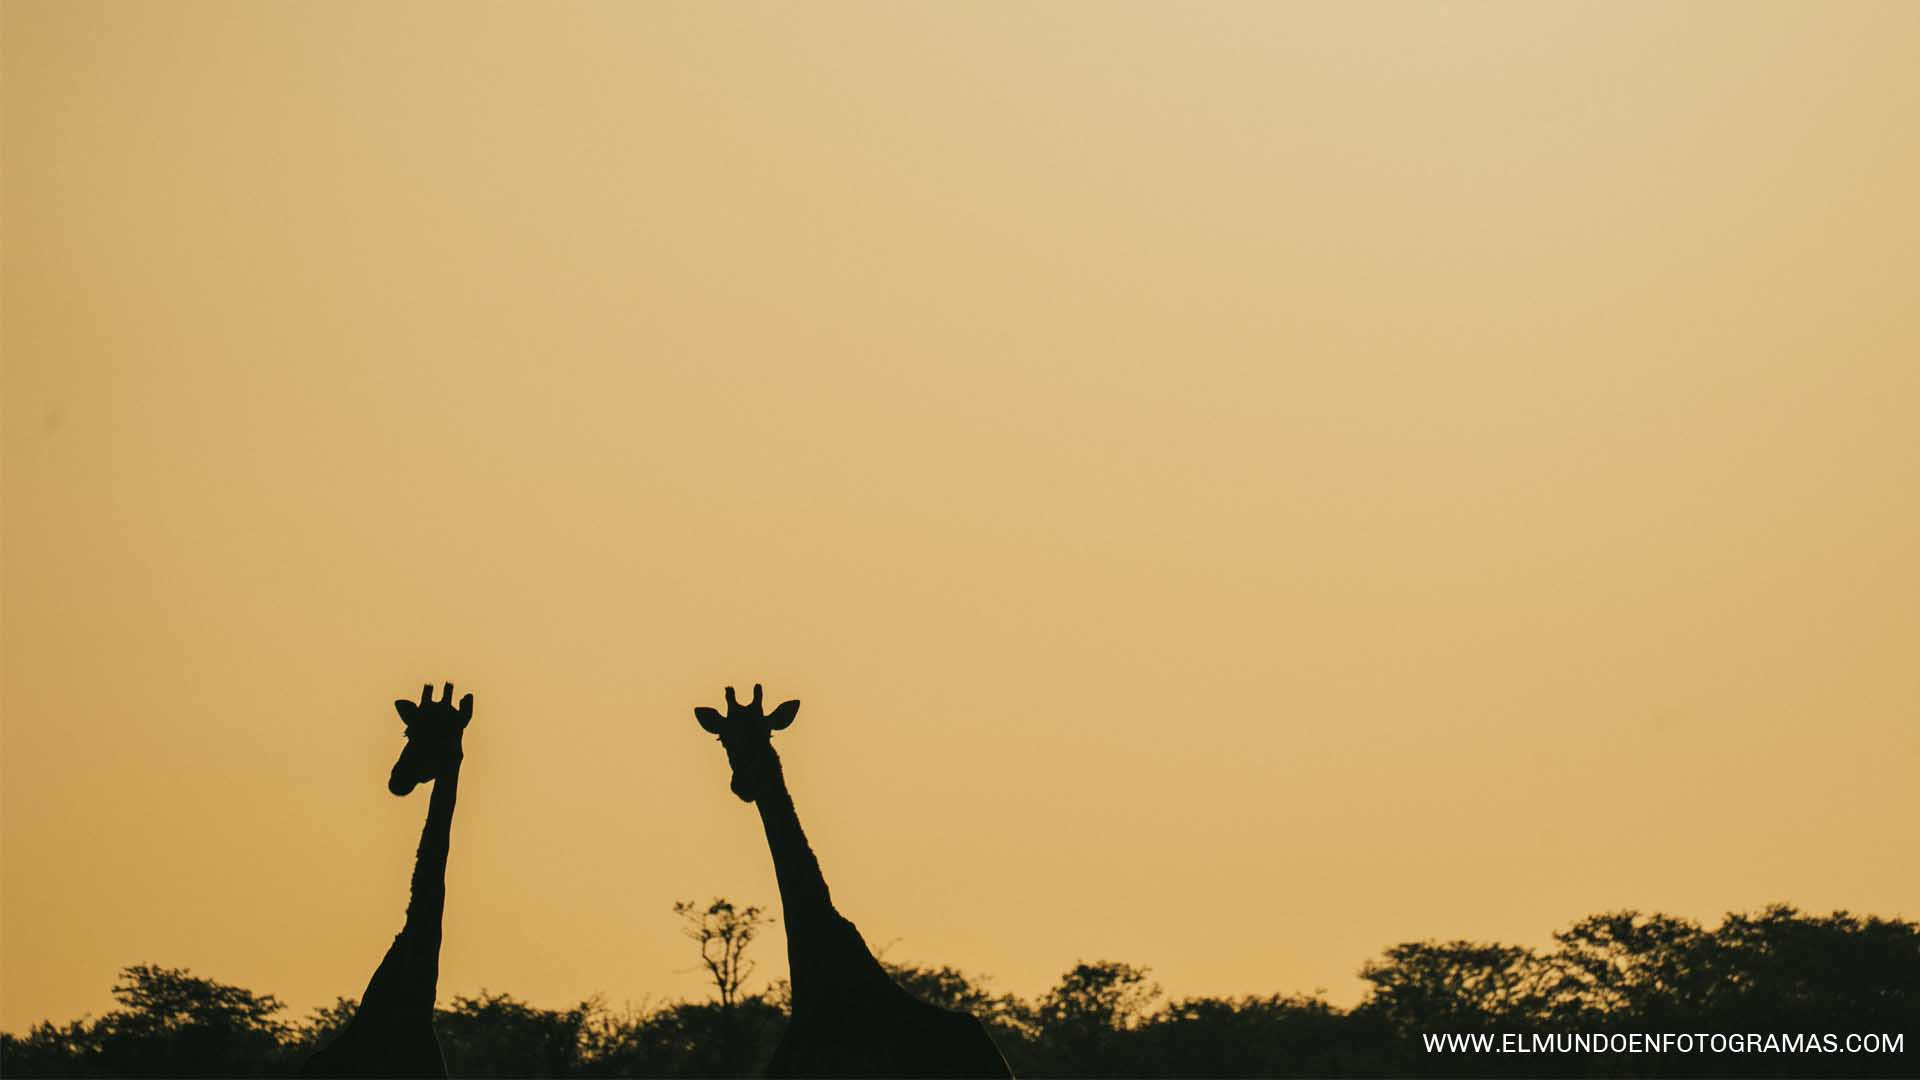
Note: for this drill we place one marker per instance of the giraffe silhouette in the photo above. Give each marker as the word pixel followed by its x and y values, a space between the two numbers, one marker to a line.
pixel 391 1034
pixel 849 1017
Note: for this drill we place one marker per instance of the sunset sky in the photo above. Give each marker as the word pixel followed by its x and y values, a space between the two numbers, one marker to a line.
pixel 1235 486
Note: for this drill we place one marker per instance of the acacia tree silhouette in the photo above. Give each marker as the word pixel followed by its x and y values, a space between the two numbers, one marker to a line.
pixel 391 1034
pixel 723 933
pixel 849 1017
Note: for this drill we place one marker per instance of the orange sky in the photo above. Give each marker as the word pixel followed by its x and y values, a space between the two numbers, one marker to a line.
pixel 1235 486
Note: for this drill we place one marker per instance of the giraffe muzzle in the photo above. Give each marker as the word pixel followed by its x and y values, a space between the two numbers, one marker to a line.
pixel 400 784
pixel 744 788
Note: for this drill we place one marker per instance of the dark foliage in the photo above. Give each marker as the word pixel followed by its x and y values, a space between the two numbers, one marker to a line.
pixel 686 1039
pixel 1777 971
pixel 169 1023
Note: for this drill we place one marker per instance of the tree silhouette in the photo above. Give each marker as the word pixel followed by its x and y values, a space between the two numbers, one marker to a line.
pixel 723 933
pixel 170 1023
pixel 1459 985
pixel 499 1035
pixel 1085 1020
pixel 1253 1036
pixel 1623 965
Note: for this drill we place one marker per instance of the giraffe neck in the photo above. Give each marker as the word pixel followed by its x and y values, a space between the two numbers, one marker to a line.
pixel 429 892
pixel 823 948
pixel 405 984
pixel 804 899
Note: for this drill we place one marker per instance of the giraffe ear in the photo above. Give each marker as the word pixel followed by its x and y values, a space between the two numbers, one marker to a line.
pixel 407 710
pixel 779 718
pixel 709 719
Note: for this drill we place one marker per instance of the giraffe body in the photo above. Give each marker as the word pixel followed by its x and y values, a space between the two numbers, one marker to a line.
pixel 880 1032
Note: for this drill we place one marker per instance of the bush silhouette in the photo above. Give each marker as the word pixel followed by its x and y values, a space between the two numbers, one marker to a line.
pixel 1776 971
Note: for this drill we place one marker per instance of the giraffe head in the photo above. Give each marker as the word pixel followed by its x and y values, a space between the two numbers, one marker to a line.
pixel 433 738
pixel 747 734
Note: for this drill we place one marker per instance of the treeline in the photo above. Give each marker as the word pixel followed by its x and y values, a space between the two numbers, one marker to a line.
pixel 1778 972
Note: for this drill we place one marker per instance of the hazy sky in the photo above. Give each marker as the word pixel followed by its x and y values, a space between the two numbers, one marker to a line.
pixel 1235 486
